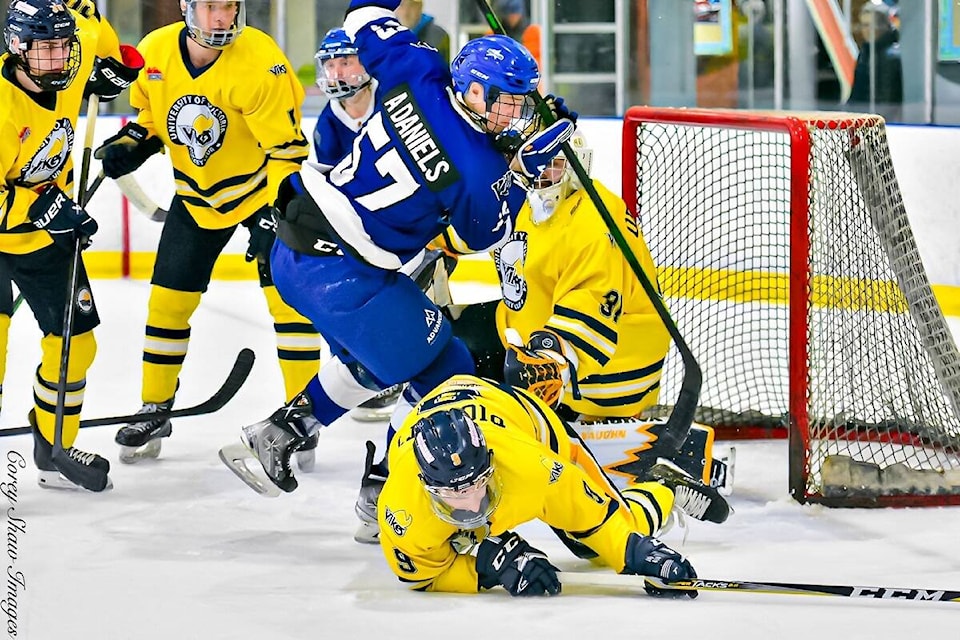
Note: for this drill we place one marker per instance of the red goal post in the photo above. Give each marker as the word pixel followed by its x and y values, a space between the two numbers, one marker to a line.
pixel 786 258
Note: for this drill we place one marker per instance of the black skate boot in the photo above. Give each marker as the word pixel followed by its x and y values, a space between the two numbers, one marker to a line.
pixel 272 442
pixel 139 440
pixel 75 470
pixel 378 408
pixel 695 498
pixel 374 477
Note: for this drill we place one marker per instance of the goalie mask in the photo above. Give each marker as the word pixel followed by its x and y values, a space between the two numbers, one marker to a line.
pixel 508 74
pixel 558 181
pixel 456 468
pixel 214 24
pixel 339 71
pixel 41 37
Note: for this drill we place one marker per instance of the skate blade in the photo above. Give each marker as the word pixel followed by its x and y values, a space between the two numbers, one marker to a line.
pixel 367 533
pixel 380 414
pixel 234 456
pixel 54 480
pixel 149 451
pixel 306 460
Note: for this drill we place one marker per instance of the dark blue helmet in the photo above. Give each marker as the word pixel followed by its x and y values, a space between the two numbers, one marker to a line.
pixel 496 62
pixel 337 44
pixel 31 21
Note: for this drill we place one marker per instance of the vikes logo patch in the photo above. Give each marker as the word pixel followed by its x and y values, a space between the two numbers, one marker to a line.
pixel 555 467
pixel 198 125
pixel 278 69
pixel 399 521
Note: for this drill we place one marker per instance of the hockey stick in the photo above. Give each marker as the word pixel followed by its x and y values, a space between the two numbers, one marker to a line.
pixel 70 306
pixel 781 588
pixel 17 303
pixel 235 379
pixel 138 198
pixel 678 424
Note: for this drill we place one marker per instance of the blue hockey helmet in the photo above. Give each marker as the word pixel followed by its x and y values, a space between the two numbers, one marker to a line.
pixel 499 63
pixel 32 21
pixel 337 44
pixel 456 468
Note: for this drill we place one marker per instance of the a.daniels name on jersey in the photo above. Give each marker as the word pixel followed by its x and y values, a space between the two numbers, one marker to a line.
pixel 414 131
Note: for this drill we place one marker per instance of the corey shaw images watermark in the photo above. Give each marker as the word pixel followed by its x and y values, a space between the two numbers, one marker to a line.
pixel 16 582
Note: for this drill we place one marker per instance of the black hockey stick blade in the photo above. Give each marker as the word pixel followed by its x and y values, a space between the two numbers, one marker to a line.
pixel 606 579
pixel 237 376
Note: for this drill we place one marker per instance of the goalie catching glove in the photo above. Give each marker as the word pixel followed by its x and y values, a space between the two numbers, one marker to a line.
pixel 647 556
pixel 539 367
pixel 509 561
pixel 126 151
pixel 110 77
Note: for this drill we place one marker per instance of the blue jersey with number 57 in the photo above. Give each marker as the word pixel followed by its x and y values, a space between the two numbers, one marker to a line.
pixel 418 164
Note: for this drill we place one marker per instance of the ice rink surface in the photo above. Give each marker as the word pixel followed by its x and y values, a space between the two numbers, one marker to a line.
pixel 182 549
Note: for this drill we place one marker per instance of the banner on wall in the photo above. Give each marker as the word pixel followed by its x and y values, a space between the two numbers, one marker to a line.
pixel 713 29
pixel 948 49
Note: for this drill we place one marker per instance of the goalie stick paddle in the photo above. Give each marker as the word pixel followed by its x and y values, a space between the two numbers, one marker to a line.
pixel 235 379
pixel 780 588
pixel 678 424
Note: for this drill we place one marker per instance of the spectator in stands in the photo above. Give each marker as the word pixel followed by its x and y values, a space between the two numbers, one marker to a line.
pixel 411 15
pixel 513 15
pixel 878 77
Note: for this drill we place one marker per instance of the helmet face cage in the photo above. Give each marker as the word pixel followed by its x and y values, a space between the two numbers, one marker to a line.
pixel 505 69
pixel 214 38
pixel 30 22
pixel 443 500
pixel 337 45
pixel 558 181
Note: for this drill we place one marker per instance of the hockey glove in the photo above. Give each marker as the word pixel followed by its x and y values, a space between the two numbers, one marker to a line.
pixel 647 556
pixel 57 214
pixel 510 561
pixel 126 151
pixel 110 77
pixel 539 367
pixel 263 231
pixel 541 148
pixel 560 110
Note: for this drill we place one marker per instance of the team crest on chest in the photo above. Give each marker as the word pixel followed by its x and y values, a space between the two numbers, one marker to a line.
pixel 509 260
pixel 51 156
pixel 198 125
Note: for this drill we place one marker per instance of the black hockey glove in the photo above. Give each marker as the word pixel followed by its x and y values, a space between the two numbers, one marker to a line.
pixel 263 231
pixel 110 77
pixel 542 147
pixel 508 560
pixel 126 151
pixel 559 109
pixel 57 214
pixel 647 556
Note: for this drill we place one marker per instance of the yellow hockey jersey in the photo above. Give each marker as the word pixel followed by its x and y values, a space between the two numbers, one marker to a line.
pixel 232 128
pixel 36 142
pixel 567 275
pixel 533 462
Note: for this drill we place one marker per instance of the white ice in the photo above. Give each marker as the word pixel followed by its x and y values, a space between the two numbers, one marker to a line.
pixel 181 549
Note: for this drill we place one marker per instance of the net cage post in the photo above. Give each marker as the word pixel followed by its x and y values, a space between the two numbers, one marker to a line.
pixel 785 255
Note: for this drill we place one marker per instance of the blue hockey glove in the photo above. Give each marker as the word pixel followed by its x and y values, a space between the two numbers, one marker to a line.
pixel 263 231
pixel 57 214
pixel 510 561
pixel 559 109
pixel 542 147
pixel 647 556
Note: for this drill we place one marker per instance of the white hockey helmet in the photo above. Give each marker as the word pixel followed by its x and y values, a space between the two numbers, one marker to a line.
pixel 558 180
pixel 201 14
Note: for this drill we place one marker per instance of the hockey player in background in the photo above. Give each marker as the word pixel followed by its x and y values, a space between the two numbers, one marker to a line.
pixel 473 461
pixel 426 160
pixel 221 98
pixel 56 54
pixel 350 91
pixel 588 340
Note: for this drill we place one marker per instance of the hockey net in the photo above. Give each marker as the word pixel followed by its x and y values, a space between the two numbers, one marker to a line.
pixel 788 263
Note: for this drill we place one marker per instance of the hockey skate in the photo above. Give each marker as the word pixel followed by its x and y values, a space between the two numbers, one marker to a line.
pixel 695 453
pixel 374 477
pixel 378 408
pixel 694 497
pixel 307 456
pixel 272 442
pixel 140 440
pixel 75 470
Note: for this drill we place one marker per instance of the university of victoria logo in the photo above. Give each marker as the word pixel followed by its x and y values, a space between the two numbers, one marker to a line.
pixel 51 157
pixel 198 125
pixel 509 260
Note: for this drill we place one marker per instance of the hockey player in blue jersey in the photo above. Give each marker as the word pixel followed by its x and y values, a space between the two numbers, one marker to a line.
pixel 439 154
pixel 350 90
